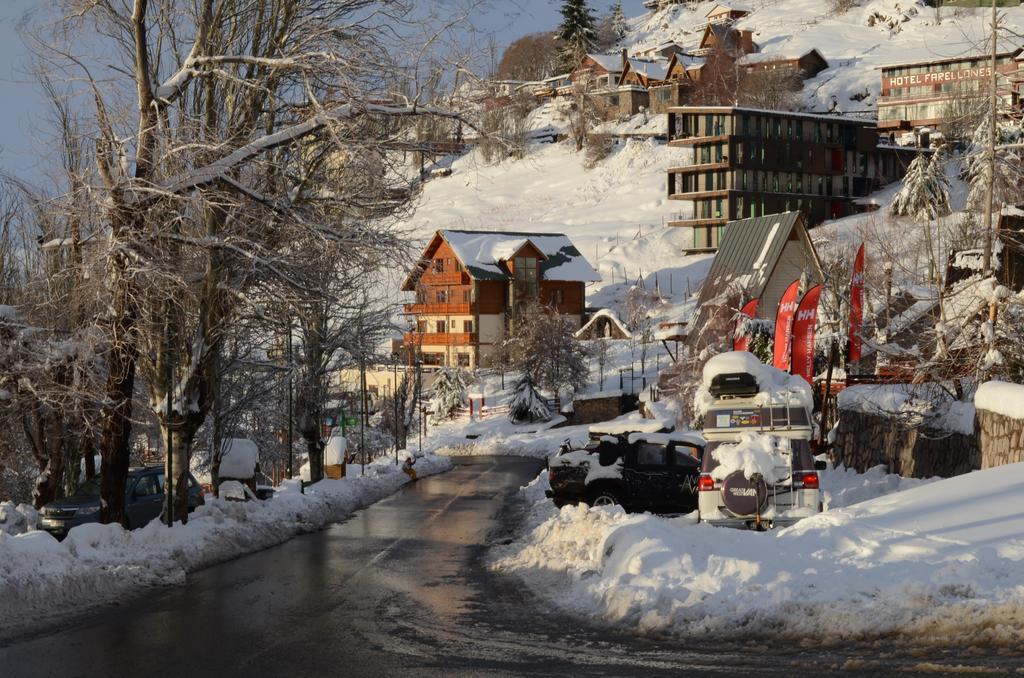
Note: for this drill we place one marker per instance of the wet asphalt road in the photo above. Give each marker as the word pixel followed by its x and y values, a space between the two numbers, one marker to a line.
pixel 399 589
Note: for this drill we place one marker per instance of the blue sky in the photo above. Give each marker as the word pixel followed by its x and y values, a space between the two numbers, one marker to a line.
pixel 24 115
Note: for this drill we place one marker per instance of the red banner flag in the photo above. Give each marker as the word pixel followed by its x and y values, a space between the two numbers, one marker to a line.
pixel 803 334
pixel 741 342
pixel 856 306
pixel 784 326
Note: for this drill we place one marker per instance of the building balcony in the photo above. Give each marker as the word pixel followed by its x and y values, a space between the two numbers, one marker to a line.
pixel 446 278
pixel 700 193
pixel 439 338
pixel 463 308
pixel 695 139
pixel 706 221
pixel 698 167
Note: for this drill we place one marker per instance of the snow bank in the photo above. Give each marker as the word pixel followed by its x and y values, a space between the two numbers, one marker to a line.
pixel 754 454
pixel 42 579
pixel 913 404
pixel 939 563
pixel 774 384
pixel 240 458
pixel 17 519
pixel 1002 398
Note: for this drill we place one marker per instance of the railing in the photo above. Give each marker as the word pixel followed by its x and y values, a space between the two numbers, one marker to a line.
pixel 441 308
pixel 439 338
pixel 450 278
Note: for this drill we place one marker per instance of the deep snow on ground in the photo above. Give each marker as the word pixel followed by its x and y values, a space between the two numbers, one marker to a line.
pixel 939 562
pixel 43 580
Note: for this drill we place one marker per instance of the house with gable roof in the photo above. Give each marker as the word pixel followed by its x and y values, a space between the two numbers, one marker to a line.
pixel 470 284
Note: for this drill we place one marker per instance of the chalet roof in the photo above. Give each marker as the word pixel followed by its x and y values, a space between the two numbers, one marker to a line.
pixel 609 62
pixel 653 70
pixel 751 248
pixel 728 6
pixel 768 57
pixel 482 253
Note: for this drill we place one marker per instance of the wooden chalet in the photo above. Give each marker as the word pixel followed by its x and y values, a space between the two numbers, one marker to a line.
pixel 806 65
pixel 600 70
pixel 1007 253
pixel 726 13
pixel 469 284
pixel 726 39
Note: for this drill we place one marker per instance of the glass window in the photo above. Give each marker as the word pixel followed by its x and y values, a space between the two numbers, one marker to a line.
pixel 442 296
pixel 438 265
pixel 146 486
pixel 463 359
pixel 440 326
pixel 684 455
pixel 467 326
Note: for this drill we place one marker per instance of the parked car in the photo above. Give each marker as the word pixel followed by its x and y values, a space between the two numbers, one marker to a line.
pixel 144 496
pixel 655 472
pixel 781 430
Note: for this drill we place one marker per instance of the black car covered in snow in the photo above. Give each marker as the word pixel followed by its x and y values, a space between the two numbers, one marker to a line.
pixel 656 472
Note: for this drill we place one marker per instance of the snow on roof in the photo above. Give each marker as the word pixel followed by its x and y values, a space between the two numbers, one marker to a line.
pixel 482 251
pixel 609 62
pixel 775 385
pixel 763 57
pixel 604 313
pixel 655 70
pixel 729 7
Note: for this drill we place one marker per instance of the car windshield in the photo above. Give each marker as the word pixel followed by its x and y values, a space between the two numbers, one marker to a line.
pixel 90 488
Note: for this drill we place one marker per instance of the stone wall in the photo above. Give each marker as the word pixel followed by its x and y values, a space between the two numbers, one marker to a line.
pixel 1002 439
pixel 593 410
pixel 865 440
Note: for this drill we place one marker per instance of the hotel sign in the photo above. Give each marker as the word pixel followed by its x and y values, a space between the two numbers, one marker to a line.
pixel 938 77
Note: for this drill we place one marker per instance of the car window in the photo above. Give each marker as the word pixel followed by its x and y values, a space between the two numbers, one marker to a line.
pixel 90 488
pixel 649 454
pixel 147 486
pixel 685 455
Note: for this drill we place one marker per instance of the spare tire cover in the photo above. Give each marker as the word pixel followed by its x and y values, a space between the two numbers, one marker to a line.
pixel 742 496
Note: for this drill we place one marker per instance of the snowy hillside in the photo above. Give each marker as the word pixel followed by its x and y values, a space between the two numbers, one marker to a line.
pixel 855 44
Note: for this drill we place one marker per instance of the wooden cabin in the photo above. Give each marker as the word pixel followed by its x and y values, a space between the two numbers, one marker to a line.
pixel 470 284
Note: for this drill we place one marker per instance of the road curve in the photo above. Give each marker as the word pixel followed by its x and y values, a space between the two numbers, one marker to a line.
pixel 399 589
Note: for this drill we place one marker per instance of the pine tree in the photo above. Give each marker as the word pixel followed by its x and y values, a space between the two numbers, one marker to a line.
pixel 576 32
pixel 526 404
pixel 449 393
pixel 1006 187
pixel 925 192
pixel 619 27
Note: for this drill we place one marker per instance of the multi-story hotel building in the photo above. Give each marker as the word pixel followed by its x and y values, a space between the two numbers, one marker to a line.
pixel 749 162
pixel 469 284
pixel 924 93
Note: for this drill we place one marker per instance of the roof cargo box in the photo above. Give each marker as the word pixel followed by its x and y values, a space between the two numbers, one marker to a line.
pixel 733 384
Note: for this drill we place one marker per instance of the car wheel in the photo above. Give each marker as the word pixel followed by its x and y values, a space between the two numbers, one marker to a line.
pixel 604 497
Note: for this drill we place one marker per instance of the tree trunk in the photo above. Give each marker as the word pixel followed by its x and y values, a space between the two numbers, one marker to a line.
pixel 315 451
pixel 183 433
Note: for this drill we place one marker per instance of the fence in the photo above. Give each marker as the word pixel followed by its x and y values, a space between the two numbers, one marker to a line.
pixel 483 411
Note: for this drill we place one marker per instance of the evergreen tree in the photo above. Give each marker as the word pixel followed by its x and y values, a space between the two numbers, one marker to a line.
pixel 576 32
pixel 619 27
pixel 449 393
pixel 527 405
pixel 925 192
pixel 1006 187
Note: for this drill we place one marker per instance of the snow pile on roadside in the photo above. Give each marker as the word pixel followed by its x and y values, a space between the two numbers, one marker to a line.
pixel 940 562
pixel 753 454
pixel 17 519
pixel 1002 398
pixel 775 385
pixel 42 579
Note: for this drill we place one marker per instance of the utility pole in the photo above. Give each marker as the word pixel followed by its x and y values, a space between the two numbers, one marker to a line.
pixel 362 419
pixel 169 481
pixel 291 418
pixel 990 151
pixel 394 401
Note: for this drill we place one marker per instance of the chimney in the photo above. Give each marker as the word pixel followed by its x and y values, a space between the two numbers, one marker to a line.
pixel 625 58
pixel 747 42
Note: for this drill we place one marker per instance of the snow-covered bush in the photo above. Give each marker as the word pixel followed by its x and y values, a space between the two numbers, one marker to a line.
pixel 925 192
pixel 527 405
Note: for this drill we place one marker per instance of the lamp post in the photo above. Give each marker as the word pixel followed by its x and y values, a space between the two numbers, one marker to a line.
pixel 394 400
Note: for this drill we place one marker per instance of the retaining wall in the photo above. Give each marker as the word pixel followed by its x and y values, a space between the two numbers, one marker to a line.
pixel 1002 439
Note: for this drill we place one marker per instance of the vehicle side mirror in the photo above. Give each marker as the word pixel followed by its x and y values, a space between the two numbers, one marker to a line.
pixel 820 465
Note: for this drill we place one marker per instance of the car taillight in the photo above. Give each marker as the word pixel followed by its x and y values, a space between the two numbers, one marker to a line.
pixel 810 480
pixel 706 484
pixel 202 494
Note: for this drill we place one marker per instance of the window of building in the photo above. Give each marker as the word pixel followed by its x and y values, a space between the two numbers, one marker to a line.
pixel 613 101
pixel 526 276
pixel 442 296
pixel 705 155
pixel 718 207
pixel 777 125
pixel 718 152
pixel 709 124
pixel 467 326
pixel 467 296
pixel 739 151
pixel 421 326
pixel 757 126
pixel 789 183
pixel 440 326
pixel 463 359
pixel 433 359
pixel 746 125
pixel 739 206
pixel 665 94
pixel 799 183
pixel 438 265
pixel 753 150
pixel 775 182
pixel 799 129
pixel 558 297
